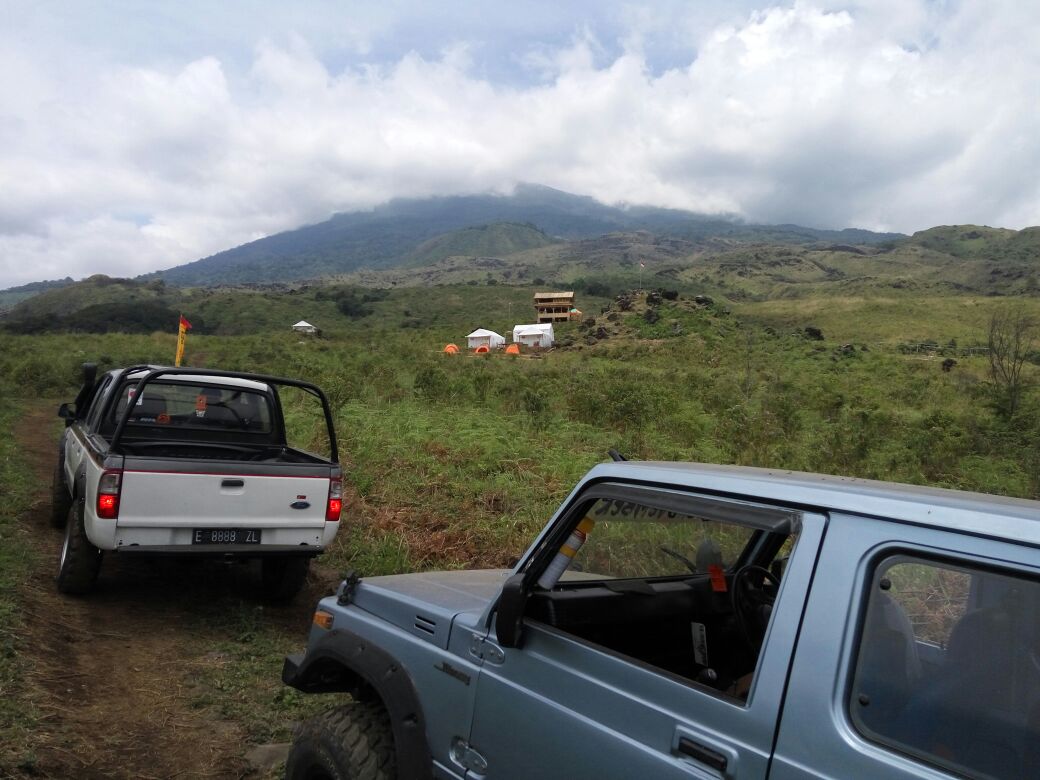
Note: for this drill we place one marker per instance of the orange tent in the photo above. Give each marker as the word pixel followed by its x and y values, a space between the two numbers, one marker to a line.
pixel 513 349
pixel 451 349
pixel 482 349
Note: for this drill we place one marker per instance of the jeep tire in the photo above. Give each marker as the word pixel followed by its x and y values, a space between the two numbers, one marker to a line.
pixel 352 742
pixel 282 578
pixel 80 560
pixel 61 501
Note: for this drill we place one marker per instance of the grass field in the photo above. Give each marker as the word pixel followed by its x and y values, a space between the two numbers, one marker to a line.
pixel 17 558
pixel 455 461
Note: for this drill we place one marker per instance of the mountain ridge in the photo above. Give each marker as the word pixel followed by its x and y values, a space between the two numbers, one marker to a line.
pixel 384 237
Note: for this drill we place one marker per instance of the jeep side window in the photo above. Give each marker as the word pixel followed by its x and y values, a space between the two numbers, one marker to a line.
pixel 679 590
pixel 948 668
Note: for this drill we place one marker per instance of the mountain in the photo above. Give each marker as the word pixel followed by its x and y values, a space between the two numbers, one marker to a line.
pixel 514 259
pixel 390 235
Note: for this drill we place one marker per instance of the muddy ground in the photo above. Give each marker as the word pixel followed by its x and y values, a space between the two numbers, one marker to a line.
pixel 114 675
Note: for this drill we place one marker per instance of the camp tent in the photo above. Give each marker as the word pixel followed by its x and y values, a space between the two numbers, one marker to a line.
pixel 451 349
pixel 540 335
pixel 304 327
pixel 485 338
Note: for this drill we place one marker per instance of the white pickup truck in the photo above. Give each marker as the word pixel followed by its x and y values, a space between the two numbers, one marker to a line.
pixel 191 462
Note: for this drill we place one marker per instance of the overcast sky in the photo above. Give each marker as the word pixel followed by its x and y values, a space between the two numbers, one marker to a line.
pixel 137 136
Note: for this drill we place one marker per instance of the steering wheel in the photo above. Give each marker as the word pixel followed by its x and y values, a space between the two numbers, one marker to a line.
pixel 753 602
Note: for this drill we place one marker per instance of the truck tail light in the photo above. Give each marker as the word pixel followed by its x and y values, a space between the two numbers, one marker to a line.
pixel 108 494
pixel 335 505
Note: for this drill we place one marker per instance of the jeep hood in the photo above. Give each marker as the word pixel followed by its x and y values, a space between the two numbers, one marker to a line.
pixel 425 604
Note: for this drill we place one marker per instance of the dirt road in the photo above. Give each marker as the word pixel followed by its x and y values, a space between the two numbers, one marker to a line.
pixel 115 674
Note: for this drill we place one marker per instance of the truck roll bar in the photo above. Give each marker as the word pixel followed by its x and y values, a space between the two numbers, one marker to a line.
pixel 153 372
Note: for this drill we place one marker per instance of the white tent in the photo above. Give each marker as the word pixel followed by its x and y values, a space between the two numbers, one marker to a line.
pixel 304 327
pixel 485 338
pixel 540 335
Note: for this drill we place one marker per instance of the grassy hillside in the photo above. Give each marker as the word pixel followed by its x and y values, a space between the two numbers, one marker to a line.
pixel 1009 264
pixel 497 240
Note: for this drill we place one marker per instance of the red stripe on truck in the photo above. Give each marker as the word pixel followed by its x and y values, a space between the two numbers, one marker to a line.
pixel 219 474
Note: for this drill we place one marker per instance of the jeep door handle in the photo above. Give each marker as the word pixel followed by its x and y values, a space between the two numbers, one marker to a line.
pixel 703 754
pixel 713 757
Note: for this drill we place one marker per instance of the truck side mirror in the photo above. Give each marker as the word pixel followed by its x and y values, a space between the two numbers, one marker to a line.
pixel 65 413
pixel 510 612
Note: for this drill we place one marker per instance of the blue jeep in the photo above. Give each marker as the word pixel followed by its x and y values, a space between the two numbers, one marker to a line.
pixel 693 621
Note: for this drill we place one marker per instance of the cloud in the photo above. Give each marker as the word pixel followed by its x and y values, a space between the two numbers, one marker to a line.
pixel 883 117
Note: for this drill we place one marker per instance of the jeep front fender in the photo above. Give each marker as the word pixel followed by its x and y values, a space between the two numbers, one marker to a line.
pixel 345 662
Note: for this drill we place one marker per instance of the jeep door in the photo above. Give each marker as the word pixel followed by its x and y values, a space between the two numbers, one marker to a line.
pixel 639 661
pixel 925 655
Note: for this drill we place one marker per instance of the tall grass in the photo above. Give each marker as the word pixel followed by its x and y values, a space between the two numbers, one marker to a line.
pixel 17 714
pixel 457 460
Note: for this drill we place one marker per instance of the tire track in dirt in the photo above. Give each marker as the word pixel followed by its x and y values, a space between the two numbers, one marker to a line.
pixel 112 673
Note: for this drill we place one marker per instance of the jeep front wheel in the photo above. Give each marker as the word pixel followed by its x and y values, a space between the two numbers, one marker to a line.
pixel 352 742
pixel 80 560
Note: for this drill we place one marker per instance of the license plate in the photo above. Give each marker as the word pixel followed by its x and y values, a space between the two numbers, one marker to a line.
pixel 225 536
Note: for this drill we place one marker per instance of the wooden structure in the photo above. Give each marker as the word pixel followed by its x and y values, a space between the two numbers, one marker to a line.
pixel 553 306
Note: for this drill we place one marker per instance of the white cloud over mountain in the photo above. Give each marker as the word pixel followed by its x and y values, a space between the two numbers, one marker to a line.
pixel 120 158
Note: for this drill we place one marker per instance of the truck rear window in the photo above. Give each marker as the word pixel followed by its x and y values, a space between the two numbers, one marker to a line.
pixel 196 406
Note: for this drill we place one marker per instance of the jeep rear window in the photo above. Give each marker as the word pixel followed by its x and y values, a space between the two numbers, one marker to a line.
pixel 196 406
pixel 949 667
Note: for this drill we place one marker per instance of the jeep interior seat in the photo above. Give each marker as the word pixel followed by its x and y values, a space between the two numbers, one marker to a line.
pixel 978 710
pixel 890 668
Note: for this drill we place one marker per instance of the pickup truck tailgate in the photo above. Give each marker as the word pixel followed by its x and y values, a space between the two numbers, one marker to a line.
pixel 179 499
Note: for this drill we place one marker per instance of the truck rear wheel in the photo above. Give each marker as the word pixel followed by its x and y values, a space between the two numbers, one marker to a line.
pixel 282 578
pixel 61 501
pixel 80 560
pixel 353 742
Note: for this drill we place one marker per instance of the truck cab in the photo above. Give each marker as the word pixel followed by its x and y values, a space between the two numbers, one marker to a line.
pixel 189 462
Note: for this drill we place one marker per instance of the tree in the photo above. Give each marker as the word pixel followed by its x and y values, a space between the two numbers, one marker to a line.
pixel 1012 336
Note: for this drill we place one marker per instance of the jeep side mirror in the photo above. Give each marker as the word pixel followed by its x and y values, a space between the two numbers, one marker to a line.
pixel 510 612
pixel 65 413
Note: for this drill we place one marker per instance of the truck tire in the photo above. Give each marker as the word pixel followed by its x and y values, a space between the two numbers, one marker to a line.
pixel 80 560
pixel 61 501
pixel 282 578
pixel 352 742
